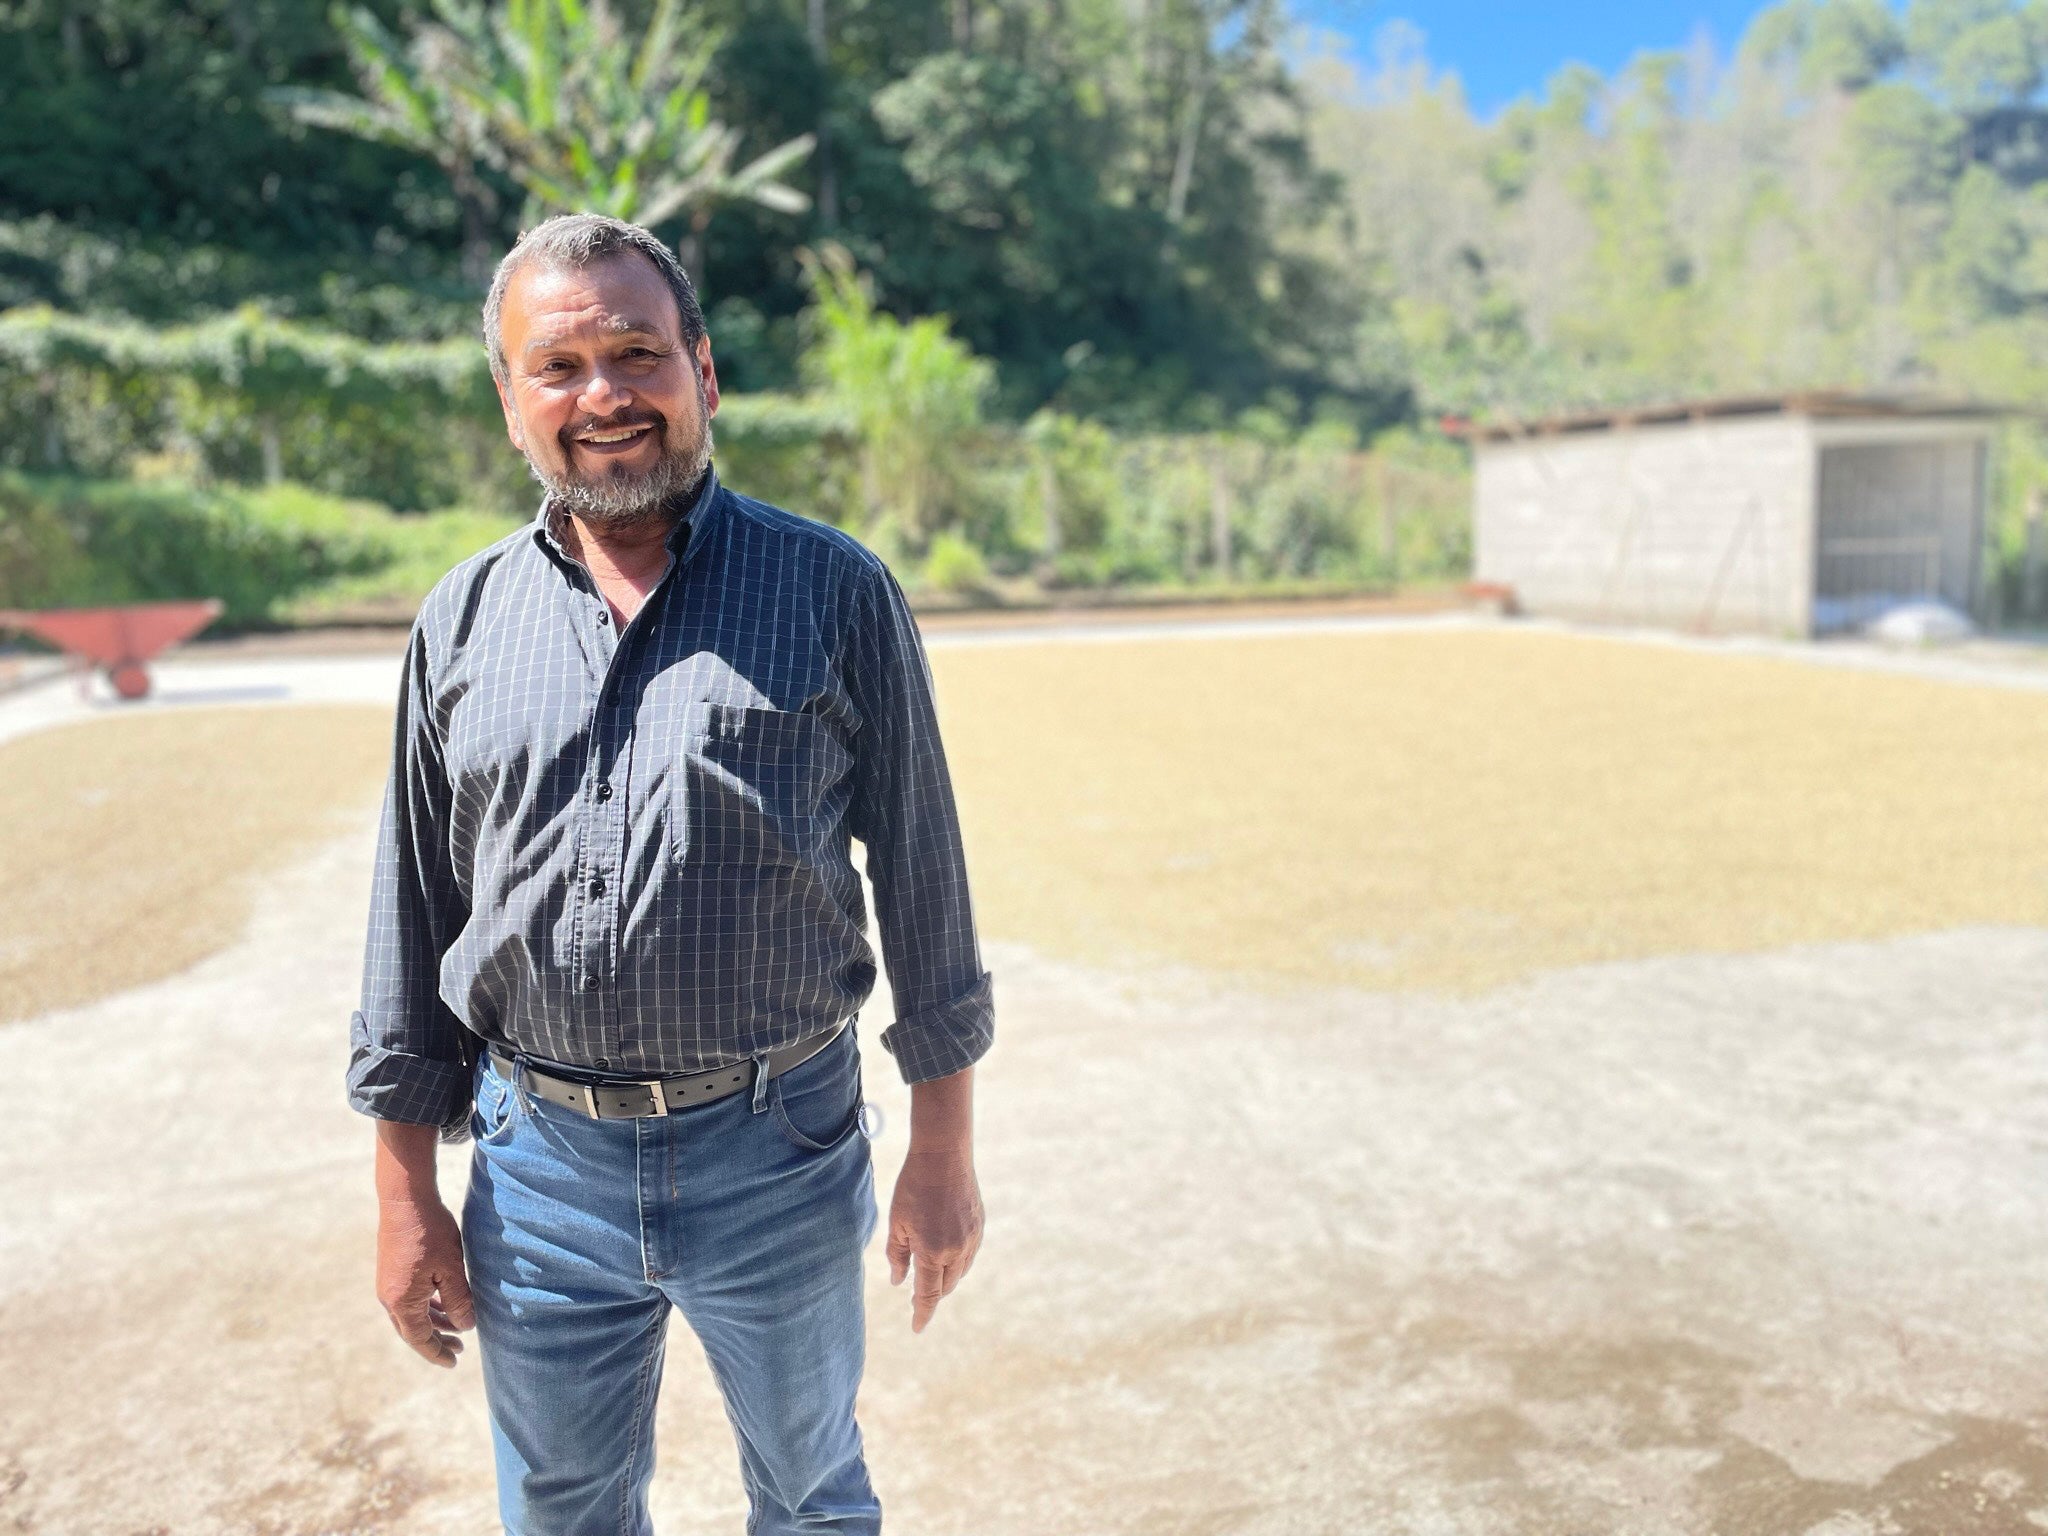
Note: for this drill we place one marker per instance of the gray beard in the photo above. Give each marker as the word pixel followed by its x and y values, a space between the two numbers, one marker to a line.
pixel 615 503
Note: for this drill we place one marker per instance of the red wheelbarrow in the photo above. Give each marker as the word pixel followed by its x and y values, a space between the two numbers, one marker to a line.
pixel 121 641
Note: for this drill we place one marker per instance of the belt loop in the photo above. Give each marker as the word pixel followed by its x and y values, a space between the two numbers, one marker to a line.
pixel 519 1089
pixel 760 1082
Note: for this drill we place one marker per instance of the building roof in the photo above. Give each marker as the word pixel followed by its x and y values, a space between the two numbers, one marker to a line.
pixel 1831 403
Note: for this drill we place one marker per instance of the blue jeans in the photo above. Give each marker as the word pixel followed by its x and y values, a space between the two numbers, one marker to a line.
pixel 749 1214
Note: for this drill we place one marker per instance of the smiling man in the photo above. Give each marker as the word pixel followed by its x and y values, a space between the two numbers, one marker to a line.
pixel 616 934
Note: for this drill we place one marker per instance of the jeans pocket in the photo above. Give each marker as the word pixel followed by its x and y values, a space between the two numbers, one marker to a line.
pixel 751 784
pixel 816 1104
pixel 494 1109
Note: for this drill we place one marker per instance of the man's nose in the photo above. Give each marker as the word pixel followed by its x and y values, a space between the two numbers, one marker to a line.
pixel 602 397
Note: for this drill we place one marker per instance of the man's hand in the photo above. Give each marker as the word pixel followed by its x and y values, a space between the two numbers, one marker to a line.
pixel 935 1217
pixel 420 1279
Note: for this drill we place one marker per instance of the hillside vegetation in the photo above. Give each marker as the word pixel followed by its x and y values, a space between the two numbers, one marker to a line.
pixel 1053 293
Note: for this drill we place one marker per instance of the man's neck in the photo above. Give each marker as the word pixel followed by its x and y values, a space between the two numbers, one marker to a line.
pixel 628 553
pixel 625 550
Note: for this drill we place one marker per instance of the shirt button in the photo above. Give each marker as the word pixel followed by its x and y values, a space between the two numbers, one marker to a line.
pixel 597 886
pixel 604 791
pixel 590 981
pixel 604 1061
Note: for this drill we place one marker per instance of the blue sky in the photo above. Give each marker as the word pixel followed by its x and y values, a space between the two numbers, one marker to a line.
pixel 1506 48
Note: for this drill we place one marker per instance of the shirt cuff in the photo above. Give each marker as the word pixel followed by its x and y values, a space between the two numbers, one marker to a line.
pixel 396 1085
pixel 938 1042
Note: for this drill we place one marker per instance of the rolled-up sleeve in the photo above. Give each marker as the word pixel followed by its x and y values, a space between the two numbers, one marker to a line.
pixel 903 812
pixel 410 1056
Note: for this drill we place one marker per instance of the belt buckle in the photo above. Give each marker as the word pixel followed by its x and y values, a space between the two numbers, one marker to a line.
pixel 654 1094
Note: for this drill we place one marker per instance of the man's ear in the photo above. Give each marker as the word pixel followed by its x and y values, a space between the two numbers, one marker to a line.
pixel 511 416
pixel 708 371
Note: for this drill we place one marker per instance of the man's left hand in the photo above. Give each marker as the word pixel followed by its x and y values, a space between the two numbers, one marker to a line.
pixel 935 1222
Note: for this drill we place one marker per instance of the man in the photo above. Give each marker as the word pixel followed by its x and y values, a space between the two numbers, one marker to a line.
pixel 615 933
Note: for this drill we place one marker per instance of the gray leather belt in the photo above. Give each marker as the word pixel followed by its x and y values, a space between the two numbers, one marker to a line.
pixel 629 1100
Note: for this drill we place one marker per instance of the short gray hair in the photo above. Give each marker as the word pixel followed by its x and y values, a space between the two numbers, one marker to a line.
pixel 574 241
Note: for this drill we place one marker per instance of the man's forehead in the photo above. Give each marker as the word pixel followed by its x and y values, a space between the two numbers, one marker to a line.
pixel 553 329
pixel 608 297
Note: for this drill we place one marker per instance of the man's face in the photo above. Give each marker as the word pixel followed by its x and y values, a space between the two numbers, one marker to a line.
pixel 610 408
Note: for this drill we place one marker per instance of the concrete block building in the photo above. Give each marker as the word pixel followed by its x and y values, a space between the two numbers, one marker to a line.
pixel 1787 515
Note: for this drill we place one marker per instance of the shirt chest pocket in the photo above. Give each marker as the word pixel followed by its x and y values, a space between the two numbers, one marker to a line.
pixel 751 786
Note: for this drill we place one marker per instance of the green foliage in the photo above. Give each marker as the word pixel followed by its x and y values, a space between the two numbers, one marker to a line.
pixel 913 392
pixel 144 120
pixel 44 260
pixel 973 130
pixel 556 95
pixel 1115 206
pixel 1984 268
pixel 413 99
pixel 244 396
pixel 1906 148
pixel 66 543
pixel 1844 44
pixel 954 565
pixel 1980 54
pixel 794 451
pixel 1853 43
pixel 1858 201
pixel 403 555
pixel 1196 273
pixel 1074 490
pixel 271 554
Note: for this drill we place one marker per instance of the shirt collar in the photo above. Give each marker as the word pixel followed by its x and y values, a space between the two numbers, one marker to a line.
pixel 695 523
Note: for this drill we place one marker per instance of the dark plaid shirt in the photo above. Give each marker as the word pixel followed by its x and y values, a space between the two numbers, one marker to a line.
pixel 630 852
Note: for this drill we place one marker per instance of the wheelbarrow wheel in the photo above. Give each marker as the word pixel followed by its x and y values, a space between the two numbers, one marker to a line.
pixel 130 679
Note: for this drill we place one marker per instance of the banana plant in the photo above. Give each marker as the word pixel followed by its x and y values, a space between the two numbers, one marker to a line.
pixel 559 98
pixel 412 98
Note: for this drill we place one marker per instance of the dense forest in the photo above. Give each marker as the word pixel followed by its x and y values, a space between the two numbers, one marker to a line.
pixel 1857 198
pixel 1084 192
pixel 1078 290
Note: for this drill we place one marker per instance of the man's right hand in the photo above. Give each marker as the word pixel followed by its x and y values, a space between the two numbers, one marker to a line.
pixel 420 1278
